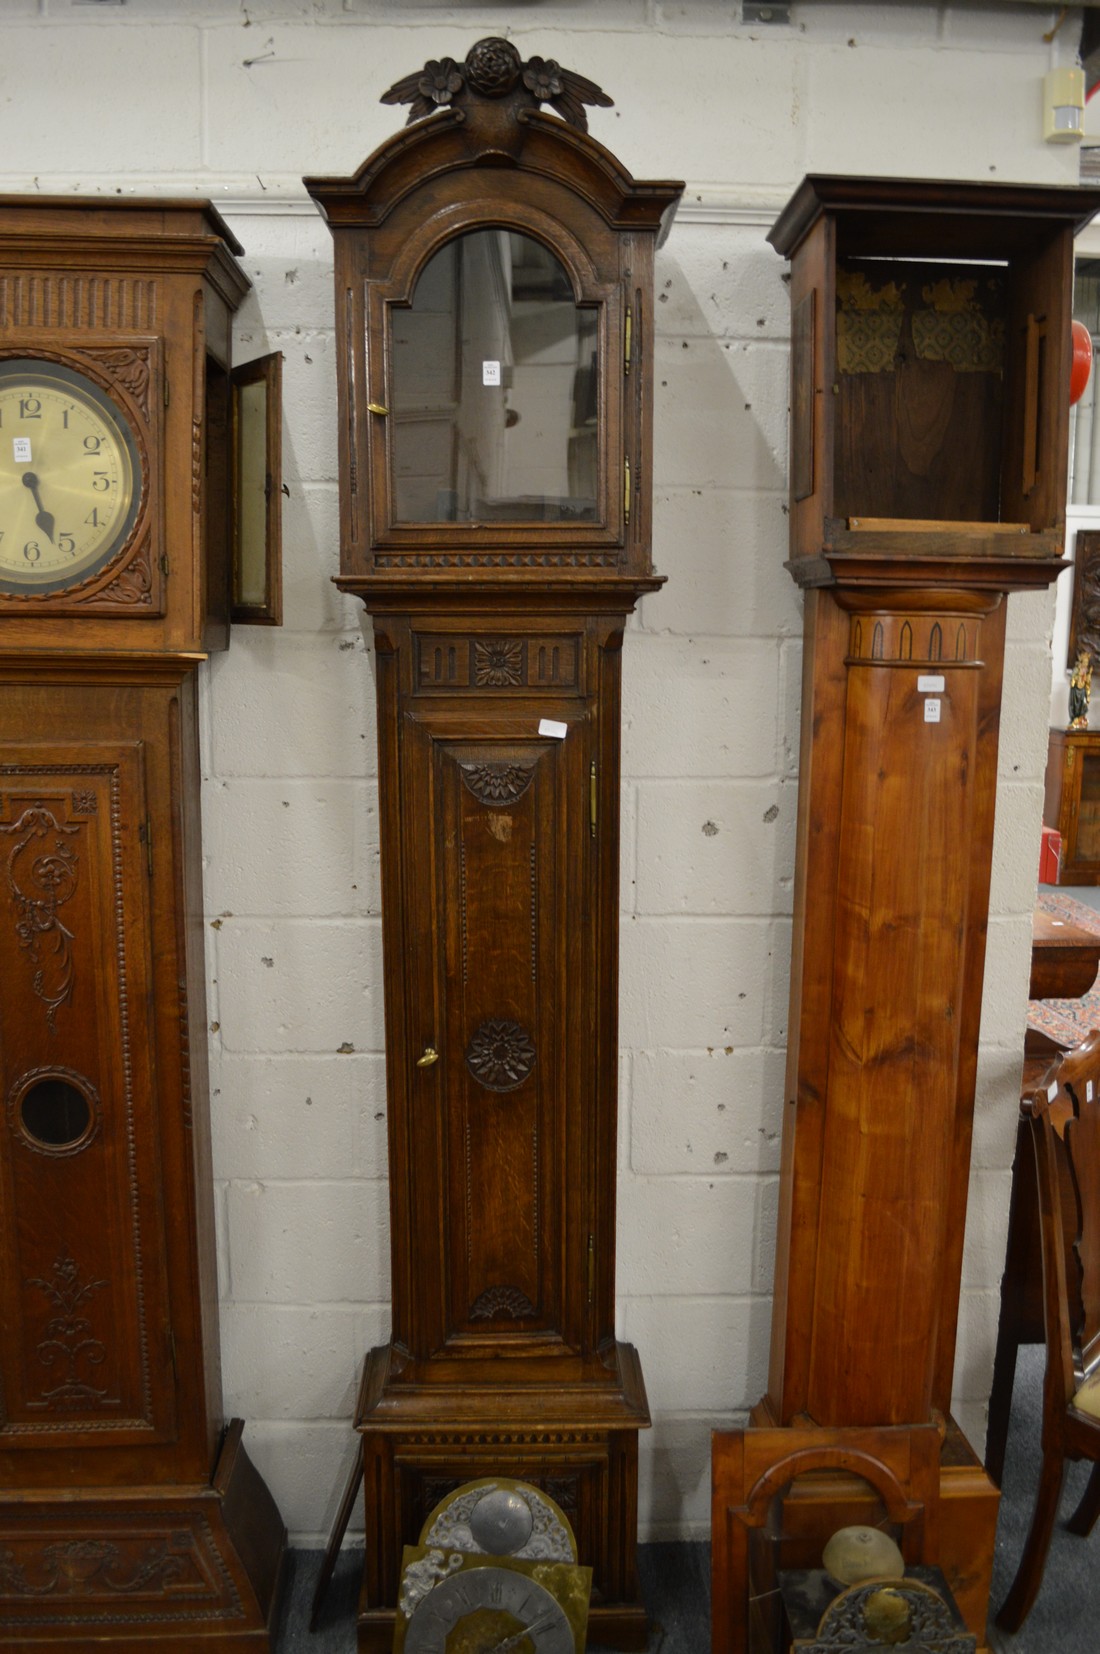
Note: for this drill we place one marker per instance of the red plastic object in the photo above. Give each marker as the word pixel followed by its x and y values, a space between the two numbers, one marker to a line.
pixel 1081 363
pixel 1050 853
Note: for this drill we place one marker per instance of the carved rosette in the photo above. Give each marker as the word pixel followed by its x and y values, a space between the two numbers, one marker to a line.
pixel 498 663
pixel 500 1055
pixel 497 783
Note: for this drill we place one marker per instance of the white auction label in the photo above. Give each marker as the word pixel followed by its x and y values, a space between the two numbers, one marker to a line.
pixel 550 726
pixel 931 712
pixel 21 446
pixel 931 683
pixel 490 373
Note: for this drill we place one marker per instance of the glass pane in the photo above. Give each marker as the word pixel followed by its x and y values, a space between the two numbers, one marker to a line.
pixel 1084 427
pixel 1088 811
pixel 493 406
pixel 251 564
pixel 55 1113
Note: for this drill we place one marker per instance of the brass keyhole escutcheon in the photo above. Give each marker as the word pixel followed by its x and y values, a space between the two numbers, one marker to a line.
pixel 430 1056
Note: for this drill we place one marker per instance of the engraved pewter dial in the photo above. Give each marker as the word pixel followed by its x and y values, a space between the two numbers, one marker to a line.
pixel 491 1610
pixel 498 1516
pixel 452 1602
pixel 70 476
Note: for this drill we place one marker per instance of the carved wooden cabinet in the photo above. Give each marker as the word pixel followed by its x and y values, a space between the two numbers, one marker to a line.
pixel 129 1512
pixel 494 271
pixel 1072 802
pixel 929 415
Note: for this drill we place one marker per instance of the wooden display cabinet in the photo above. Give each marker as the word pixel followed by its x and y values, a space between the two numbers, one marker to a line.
pixel 130 1514
pixel 1072 802
pixel 930 394
pixel 494 272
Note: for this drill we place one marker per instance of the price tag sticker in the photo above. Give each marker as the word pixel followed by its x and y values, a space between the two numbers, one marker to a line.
pixel 490 373
pixel 1052 1091
pixel 931 683
pixel 21 449
pixel 932 711
pixel 550 726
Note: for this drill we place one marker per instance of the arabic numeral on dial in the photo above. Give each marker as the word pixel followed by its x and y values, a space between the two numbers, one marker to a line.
pixel 92 519
pixel 66 542
pixel 32 551
pixel 92 444
pixel 100 482
pixel 30 407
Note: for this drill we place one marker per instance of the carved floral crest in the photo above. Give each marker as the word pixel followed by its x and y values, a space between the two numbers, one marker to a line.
pixel 493 68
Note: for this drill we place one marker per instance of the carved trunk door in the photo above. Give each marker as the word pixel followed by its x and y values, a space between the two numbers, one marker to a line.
pixel 85 1350
pixel 499 869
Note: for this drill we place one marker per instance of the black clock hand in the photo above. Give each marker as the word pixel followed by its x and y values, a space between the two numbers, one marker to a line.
pixel 43 520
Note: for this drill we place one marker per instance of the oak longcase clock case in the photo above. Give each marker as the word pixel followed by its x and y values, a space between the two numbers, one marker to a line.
pixel 494 271
pixel 129 1511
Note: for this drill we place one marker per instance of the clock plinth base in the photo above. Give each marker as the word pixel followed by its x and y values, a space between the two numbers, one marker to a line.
pixel 956 1529
pixel 191 1567
pixel 576 1441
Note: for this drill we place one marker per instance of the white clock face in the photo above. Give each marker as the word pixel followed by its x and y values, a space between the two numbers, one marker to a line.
pixel 492 1610
pixel 70 477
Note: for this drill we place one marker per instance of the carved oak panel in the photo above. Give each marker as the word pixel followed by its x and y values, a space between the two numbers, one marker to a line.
pixel 138 1568
pixel 500 893
pixel 87 1331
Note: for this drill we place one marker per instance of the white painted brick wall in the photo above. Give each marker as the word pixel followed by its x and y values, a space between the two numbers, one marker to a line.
pixel 237 102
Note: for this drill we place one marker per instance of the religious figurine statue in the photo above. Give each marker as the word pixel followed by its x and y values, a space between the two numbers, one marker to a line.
pixel 1080 686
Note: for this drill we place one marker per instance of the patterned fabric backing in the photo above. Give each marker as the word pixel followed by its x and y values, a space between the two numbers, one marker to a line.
pixel 1067 1021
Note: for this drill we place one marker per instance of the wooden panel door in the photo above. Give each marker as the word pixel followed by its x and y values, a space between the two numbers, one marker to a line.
pixel 83 1298
pixel 499 862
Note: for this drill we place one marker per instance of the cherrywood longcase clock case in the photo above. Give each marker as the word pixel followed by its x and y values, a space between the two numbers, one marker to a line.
pixel 494 271
pixel 129 1512
pixel 930 353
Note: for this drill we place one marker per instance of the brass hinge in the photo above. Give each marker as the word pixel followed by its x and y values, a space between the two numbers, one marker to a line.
pixel 591 1267
pixel 145 834
pixel 628 337
pixel 592 798
pixel 626 488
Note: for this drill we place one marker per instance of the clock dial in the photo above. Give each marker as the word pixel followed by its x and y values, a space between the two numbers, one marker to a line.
pixel 489 1611
pixel 70 477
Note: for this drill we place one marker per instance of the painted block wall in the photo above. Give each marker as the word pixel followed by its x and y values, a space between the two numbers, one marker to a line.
pixel 237 101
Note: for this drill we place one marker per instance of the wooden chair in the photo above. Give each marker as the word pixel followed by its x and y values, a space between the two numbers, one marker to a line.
pixel 1021 1317
pixel 1071 1387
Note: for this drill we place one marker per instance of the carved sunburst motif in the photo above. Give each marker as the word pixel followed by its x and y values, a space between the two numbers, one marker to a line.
pixel 501 1054
pixel 502 1300
pixel 497 783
